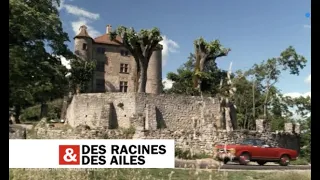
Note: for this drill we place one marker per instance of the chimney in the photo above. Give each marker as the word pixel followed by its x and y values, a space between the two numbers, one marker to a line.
pixel 108 29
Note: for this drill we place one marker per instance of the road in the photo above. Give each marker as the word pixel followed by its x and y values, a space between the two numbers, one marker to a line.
pixel 209 164
pixel 265 167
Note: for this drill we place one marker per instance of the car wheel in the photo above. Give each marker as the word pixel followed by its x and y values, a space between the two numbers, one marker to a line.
pixel 261 163
pixel 284 160
pixel 244 158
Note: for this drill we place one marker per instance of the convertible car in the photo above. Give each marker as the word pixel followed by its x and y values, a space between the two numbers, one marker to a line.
pixel 254 150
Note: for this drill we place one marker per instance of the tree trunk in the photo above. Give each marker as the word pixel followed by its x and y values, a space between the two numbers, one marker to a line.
pixel 143 79
pixel 44 110
pixel 17 112
pixel 266 101
pixel 77 89
pixel 137 79
pixel 253 100
pixel 202 63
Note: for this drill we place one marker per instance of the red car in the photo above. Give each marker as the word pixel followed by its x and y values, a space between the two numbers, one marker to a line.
pixel 254 150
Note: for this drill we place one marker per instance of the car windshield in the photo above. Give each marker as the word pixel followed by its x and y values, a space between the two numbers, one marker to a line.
pixel 253 142
pixel 248 142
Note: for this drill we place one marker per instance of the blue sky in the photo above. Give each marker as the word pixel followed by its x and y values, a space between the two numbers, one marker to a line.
pixel 254 30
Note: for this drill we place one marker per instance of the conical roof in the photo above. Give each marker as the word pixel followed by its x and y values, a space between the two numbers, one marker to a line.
pixel 83 32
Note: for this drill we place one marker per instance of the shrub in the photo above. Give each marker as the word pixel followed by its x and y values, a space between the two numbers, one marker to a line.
pixel 129 132
pixel 179 153
pixel 33 113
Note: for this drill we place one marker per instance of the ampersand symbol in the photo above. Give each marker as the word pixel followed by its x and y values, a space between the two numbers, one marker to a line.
pixel 69 156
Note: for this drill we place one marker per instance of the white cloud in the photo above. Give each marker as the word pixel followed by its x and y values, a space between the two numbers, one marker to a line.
pixel 296 94
pixel 84 18
pixel 308 79
pixel 167 83
pixel 169 46
pixel 82 21
pixel 77 11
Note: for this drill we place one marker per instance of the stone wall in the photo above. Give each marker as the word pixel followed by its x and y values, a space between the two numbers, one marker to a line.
pixel 173 112
pixel 189 120
pixel 201 139
pixel 17 132
pixel 95 110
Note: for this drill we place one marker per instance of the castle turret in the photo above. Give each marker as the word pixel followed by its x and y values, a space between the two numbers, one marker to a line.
pixel 83 49
pixel 83 44
pixel 154 72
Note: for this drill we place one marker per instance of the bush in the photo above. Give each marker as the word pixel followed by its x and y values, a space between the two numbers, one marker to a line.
pixel 179 153
pixel 300 161
pixel 33 113
pixel 129 132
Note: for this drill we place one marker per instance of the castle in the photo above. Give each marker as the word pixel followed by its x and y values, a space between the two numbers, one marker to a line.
pixel 193 121
pixel 115 66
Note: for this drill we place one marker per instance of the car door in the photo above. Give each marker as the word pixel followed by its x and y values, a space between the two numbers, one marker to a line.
pixel 267 152
pixel 262 152
pixel 255 150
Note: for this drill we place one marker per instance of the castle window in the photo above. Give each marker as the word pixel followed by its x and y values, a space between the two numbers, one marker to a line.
pixel 124 68
pixel 123 86
pixel 101 50
pixel 100 85
pixel 124 53
pixel 100 66
pixel 84 46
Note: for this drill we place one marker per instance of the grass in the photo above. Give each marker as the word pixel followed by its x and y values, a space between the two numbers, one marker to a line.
pixel 151 174
pixel 300 161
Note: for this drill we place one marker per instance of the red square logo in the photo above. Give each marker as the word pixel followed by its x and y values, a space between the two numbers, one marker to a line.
pixel 69 155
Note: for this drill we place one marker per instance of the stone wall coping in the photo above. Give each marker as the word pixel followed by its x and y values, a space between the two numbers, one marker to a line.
pixel 147 94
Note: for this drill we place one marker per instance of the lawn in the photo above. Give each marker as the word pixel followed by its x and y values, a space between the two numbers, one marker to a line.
pixel 151 174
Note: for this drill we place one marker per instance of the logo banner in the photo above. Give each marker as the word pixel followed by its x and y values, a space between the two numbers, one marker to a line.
pixel 45 153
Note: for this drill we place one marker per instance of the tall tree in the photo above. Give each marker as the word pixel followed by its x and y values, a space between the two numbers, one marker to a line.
pixel 205 52
pixel 141 45
pixel 183 79
pixel 36 40
pixel 267 73
pixel 81 73
pixel 303 109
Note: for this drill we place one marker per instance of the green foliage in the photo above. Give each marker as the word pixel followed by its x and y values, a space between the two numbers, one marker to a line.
pixel 179 153
pixel 206 52
pixel 183 79
pixel 81 73
pixel 33 113
pixel 141 45
pixel 256 90
pixel 210 50
pixel 129 132
pixel 36 42
pixel 300 161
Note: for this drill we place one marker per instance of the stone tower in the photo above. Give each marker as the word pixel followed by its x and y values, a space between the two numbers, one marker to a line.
pixel 83 44
pixel 83 48
pixel 154 72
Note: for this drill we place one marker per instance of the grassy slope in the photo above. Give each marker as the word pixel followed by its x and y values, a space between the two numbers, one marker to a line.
pixel 140 174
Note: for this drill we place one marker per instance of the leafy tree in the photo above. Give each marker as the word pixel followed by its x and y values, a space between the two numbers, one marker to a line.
pixel 81 73
pixel 36 40
pixel 183 79
pixel 205 52
pixel 244 101
pixel 267 73
pixel 141 45
pixel 303 108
